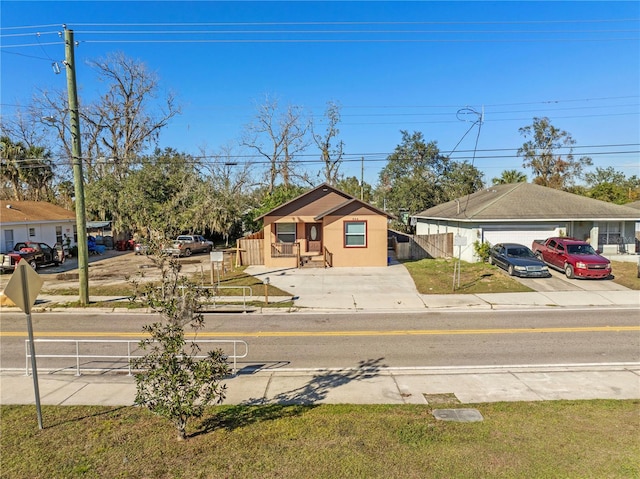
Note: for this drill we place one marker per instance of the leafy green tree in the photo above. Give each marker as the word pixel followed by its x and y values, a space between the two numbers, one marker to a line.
pixel 223 198
pixel 510 176
pixel 352 186
pixel 268 201
pixel 160 196
pixel 461 179
pixel 607 184
pixel 540 153
pixel 172 380
pixel 413 178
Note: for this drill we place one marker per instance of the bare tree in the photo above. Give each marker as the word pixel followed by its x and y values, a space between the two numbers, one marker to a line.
pixel 120 125
pixel 278 137
pixel 331 156
pixel 225 195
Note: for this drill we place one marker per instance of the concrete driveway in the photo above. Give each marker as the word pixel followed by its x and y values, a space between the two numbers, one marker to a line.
pixel 389 287
pixel 559 282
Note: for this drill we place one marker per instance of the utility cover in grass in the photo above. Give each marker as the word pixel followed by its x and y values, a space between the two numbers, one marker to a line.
pixel 458 415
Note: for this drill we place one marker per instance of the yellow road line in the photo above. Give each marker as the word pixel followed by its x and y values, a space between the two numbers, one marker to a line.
pixel 275 334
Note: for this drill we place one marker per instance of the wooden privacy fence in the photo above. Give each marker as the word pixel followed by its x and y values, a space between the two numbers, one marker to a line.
pixel 424 246
pixel 251 251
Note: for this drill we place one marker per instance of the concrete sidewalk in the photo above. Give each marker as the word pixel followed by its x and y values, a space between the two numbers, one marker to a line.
pixel 355 386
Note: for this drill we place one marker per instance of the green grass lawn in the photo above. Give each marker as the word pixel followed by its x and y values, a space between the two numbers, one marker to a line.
pixel 556 439
pixel 626 274
pixel 436 276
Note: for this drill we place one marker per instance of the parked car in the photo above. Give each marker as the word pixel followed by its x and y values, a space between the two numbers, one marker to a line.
pixel 34 253
pixel 576 258
pixel 186 245
pixel 518 260
pixel 140 248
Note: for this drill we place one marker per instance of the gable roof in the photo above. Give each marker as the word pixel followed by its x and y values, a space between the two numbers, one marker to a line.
pixel 33 211
pixel 527 201
pixel 323 190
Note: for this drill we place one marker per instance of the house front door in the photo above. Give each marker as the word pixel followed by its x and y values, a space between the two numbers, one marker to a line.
pixel 314 237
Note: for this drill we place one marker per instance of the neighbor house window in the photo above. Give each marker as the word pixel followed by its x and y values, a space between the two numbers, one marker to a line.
pixel 355 234
pixel 59 234
pixel 286 232
pixel 609 233
pixel 32 232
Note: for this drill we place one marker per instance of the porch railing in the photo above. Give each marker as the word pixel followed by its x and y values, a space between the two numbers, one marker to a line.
pixel 285 250
pixel 328 257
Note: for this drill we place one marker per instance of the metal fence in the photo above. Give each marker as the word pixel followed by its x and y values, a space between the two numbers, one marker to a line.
pixel 113 354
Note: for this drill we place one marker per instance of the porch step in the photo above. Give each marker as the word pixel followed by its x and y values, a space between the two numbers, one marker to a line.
pixel 312 262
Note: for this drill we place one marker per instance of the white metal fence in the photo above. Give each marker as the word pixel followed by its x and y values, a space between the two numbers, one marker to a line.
pixel 113 354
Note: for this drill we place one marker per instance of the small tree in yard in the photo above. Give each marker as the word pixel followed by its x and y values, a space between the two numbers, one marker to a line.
pixel 171 380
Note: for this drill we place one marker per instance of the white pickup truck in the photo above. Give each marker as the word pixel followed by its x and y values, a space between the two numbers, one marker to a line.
pixel 186 245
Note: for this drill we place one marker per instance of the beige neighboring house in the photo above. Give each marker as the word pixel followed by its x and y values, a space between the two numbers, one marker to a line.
pixel 326 227
pixel 35 221
pixel 523 212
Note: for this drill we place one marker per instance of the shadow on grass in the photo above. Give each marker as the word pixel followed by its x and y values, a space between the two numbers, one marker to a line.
pixel 290 403
pixel 85 416
pixel 475 281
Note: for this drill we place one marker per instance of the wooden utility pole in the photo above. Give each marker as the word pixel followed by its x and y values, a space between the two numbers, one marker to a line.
pixel 78 178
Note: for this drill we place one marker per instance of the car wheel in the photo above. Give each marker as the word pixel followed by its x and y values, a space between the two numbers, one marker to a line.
pixel 33 264
pixel 539 256
pixel 568 270
pixel 187 252
pixel 510 270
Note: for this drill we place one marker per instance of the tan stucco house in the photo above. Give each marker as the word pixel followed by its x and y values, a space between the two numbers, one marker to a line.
pixel 326 226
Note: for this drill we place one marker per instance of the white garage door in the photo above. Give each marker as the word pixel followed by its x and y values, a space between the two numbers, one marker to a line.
pixel 524 235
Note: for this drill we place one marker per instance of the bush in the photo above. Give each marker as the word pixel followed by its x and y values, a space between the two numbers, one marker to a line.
pixel 482 250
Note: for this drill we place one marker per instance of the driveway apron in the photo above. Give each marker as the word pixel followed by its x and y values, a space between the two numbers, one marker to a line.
pixel 384 288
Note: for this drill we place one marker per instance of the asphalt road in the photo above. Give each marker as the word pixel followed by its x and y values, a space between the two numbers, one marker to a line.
pixel 429 339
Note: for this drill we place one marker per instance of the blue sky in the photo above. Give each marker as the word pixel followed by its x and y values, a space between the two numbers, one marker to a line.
pixel 390 65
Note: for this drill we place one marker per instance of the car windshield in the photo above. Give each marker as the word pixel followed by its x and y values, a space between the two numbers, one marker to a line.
pixel 580 249
pixel 520 253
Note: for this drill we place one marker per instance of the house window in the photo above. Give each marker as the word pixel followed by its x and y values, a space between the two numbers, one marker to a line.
pixel 59 234
pixel 355 234
pixel 32 232
pixel 286 232
pixel 609 233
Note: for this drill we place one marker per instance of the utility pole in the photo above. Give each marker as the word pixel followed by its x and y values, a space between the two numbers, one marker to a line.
pixel 362 180
pixel 76 160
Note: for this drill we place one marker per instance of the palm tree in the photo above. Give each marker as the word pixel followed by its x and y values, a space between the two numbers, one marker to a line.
pixel 510 176
pixel 12 154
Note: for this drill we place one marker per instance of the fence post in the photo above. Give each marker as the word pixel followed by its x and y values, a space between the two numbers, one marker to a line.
pixel 77 358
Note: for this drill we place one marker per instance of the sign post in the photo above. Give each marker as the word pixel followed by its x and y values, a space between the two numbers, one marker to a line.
pixel 458 241
pixel 216 257
pixel 23 289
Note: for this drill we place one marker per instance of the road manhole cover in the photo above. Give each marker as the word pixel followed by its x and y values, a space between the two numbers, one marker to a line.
pixel 441 398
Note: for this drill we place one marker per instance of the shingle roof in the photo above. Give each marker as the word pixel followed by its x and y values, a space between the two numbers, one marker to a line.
pixel 518 201
pixel 325 187
pixel 29 211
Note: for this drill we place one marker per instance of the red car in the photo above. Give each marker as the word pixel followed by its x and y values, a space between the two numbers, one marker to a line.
pixel 576 258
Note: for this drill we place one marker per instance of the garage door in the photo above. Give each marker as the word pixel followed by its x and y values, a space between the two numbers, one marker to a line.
pixel 524 235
